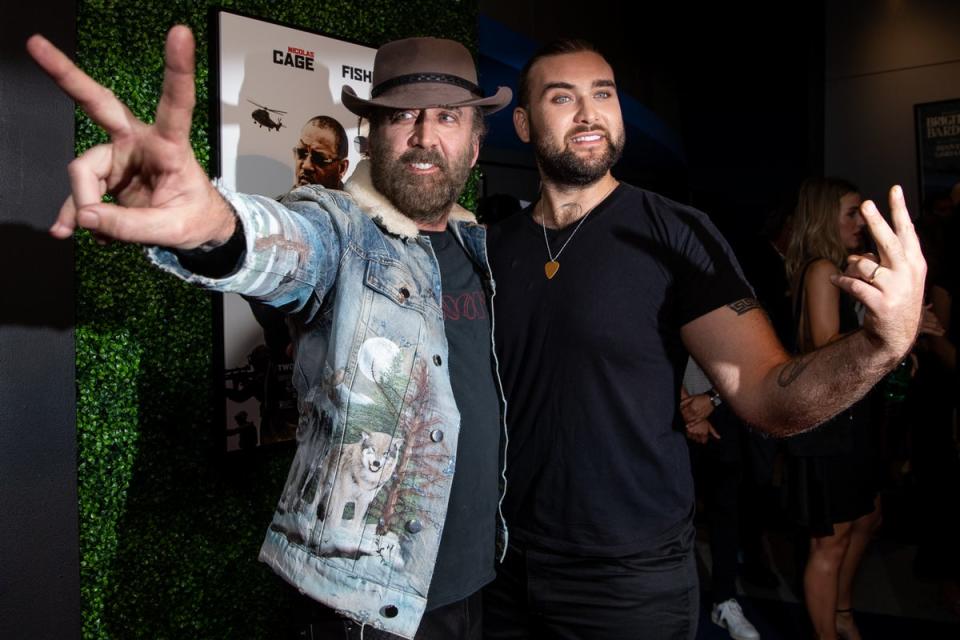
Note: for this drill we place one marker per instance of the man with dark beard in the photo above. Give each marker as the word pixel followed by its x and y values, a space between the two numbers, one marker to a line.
pixel 607 288
pixel 386 286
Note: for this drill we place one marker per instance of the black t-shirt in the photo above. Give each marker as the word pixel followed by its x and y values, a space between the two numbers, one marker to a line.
pixel 592 363
pixel 465 561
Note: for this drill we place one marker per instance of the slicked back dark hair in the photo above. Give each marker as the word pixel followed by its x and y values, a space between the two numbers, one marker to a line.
pixel 553 48
pixel 332 124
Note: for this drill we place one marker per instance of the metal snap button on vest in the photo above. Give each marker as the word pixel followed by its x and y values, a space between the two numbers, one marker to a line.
pixel 436 435
pixel 389 611
pixel 437 360
pixel 414 526
pixel 404 293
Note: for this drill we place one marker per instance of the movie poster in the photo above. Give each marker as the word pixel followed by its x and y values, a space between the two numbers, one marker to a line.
pixel 938 147
pixel 281 125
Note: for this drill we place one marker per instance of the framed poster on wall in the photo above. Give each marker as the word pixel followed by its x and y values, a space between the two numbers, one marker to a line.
pixel 280 124
pixel 938 147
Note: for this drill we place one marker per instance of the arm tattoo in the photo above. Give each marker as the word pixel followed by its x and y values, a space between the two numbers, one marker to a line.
pixel 792 370
pixel 743 305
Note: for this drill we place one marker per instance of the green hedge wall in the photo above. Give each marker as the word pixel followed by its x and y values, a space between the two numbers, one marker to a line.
pixel 170 529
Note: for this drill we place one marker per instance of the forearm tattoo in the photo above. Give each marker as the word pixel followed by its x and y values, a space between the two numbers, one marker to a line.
pixel 743 305
pixel 792 370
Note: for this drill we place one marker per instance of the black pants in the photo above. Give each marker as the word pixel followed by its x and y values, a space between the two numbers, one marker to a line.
pixel 721 491
pixel 544 596
pixel 730 475
pixel 459 620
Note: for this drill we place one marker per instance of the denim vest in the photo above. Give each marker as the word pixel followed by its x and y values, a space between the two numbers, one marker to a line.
pixel 359 522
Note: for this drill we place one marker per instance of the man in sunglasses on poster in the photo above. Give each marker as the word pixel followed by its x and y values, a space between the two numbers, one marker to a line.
pixel 388 518
pixel 320 155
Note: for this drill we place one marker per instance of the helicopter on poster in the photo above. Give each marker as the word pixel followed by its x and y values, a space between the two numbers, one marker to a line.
pixel 262 116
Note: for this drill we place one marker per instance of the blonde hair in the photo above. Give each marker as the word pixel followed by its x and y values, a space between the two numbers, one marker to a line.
pixel 815 231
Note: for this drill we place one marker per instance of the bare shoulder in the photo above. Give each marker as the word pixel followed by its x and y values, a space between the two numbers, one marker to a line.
pixel 821 270
pixel 816 281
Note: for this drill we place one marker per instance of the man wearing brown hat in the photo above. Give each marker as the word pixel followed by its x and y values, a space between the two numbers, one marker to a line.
pixel 388 517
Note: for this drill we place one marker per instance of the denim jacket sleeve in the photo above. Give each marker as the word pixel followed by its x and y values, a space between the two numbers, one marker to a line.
pixel 292 250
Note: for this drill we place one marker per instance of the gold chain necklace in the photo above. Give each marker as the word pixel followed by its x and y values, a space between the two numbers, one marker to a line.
pixel 551 267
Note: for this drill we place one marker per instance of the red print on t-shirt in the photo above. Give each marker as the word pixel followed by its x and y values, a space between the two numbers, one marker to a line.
pixel 465 306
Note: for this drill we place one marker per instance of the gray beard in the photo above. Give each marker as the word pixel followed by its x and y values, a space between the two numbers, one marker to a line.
pixel 563 166
pixel 425 199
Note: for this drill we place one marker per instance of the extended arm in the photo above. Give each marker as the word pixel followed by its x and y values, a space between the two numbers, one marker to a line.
pixel 782 395
pixel 165 200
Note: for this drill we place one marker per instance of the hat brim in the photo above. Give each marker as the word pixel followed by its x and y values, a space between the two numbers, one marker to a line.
pixel 424 96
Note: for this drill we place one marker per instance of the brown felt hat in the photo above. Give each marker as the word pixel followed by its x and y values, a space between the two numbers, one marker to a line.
pixel 422 73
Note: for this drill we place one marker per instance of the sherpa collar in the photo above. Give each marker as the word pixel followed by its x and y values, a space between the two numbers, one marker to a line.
pixel 375 204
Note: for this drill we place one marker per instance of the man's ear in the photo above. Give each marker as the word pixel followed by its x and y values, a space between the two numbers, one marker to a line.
pixel 344 165
pixel 521 124
pixel 476 150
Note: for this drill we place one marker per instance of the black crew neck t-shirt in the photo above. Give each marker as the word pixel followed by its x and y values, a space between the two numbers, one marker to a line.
pixel 592 362
pixel 465 560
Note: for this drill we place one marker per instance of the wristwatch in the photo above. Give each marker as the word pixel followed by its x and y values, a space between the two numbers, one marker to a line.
pixel 715 399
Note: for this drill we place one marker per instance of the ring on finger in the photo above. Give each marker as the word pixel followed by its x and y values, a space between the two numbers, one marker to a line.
pixel 873 275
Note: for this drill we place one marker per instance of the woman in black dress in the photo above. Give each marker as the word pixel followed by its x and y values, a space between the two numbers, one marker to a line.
pixel 833 481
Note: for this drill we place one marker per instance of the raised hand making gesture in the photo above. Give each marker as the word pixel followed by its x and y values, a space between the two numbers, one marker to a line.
pixel 164 197
pixel 889 286
pixel 785 394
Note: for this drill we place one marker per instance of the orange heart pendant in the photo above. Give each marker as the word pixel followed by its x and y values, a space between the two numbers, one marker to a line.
pixel 551 268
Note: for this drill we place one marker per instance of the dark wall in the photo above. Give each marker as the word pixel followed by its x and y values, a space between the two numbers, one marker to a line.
pixel 881 60
pixel 741 85
pixel 39 558
pixel 750 94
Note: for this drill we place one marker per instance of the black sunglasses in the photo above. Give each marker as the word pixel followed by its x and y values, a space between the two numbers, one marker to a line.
pixel 316 158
